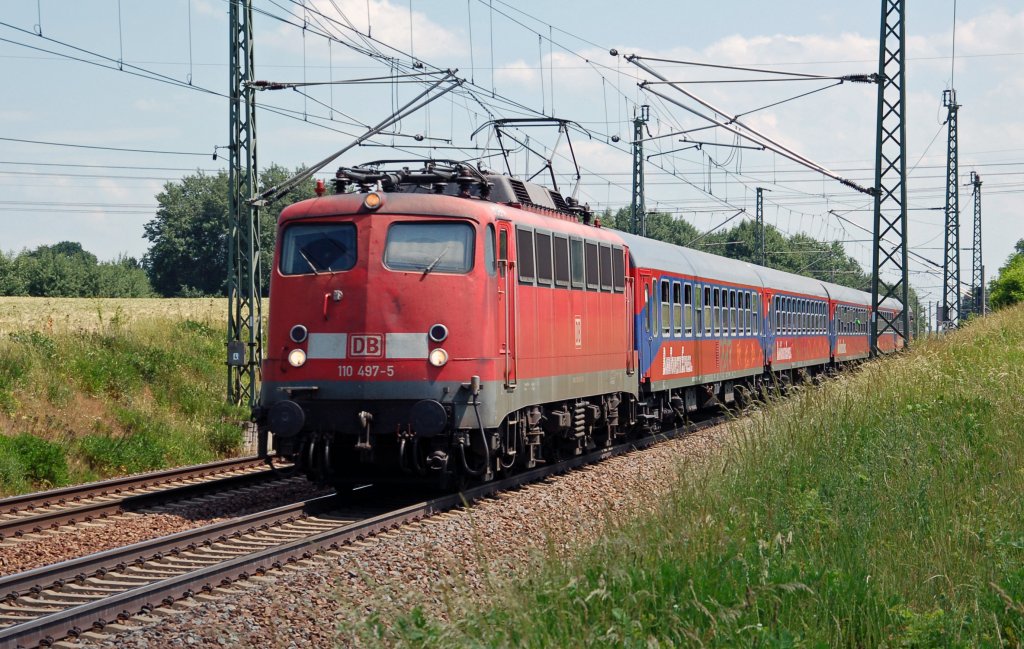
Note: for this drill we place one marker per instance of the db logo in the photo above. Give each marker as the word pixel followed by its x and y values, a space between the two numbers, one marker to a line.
pixel 365 345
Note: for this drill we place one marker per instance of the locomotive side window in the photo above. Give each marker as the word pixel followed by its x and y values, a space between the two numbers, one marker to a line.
pixel 593 280
pixel 311 248
pixel 688 308
pixel 606 268
pixel 576 262
pixel 490 262
pixel 677 309
pixel 561 261
pixel 618 269
pixel 666 318
pixel 524 246
pixel 543 253
pixel 430 246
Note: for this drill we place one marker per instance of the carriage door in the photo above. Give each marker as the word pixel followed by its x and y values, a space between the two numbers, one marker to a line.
pixel 768 308
pixel 647 331
pixel 507 288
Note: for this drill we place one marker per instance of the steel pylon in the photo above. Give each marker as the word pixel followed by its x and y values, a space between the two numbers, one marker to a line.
pixel 890 228
pixel 245 315
pixel 951 307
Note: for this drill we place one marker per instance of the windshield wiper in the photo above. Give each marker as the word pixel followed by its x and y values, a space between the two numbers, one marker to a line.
pixel 312 266
pixel 437 259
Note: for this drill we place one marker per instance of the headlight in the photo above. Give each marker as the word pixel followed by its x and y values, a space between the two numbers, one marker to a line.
pixel 373 200
pixel 298 333
pixel 438 357
pixel 438 333
pixel 296 358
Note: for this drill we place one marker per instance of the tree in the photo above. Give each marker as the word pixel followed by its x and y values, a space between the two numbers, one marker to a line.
pixel 65 269
pixel 189 234
pixel 1008 288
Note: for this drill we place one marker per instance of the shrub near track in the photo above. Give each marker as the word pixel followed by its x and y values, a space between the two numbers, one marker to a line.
pixel 136 385
pixel 880 509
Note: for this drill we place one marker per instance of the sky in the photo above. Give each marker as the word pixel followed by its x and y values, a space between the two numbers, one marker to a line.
pixel 105 102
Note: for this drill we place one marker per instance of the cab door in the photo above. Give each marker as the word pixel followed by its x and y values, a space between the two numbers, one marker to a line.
pixel 507 293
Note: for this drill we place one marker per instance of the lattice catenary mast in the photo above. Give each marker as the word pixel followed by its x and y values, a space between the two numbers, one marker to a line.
pixel 245 315
pixel 890 232
pixel 638 213
pixel 951 308
pixel 977 272
pixel 759 226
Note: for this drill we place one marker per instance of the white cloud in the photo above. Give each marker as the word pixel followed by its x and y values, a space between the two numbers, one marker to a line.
pixel 385 22
pixel 518 72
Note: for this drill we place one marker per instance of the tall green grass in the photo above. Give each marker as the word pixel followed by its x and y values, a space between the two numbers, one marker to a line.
pixel 80 404
pixel 885 508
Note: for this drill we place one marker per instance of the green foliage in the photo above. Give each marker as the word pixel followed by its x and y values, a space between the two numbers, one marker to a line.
pixel 882 509
pixel 152 397
pixel 188 236
pixel 133 453
pixel 1008 288
pixel 31 459
pixel 66 270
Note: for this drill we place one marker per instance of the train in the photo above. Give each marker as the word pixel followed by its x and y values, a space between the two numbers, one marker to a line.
pixel 447 325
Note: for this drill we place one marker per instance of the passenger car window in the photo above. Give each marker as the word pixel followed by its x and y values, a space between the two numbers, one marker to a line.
pixel 665 311
pixel 677 310
pixel 311 248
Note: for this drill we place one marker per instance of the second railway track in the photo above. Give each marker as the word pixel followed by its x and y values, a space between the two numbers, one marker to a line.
pixel 33 513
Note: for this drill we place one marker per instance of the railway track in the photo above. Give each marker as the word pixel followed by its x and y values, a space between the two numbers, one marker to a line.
pixel 38 512
pixel 65 600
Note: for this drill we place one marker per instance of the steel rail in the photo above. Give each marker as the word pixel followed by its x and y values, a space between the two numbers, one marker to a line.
pixel 77 570
pixel 116 504
pixel 96 615
pixel 115 485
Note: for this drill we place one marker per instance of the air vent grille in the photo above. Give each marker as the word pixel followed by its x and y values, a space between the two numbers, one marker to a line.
pixel 559 202
pixel 519 188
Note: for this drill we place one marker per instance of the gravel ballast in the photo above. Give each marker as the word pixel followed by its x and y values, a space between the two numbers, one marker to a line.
pixel 327 601
pixel 72 541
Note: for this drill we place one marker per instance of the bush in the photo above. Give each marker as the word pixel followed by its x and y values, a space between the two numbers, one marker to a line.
pixel 33 459
pixel 132 453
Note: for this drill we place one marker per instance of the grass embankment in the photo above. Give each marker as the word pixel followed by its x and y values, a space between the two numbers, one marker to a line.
pixel 882 509
pixel 96 387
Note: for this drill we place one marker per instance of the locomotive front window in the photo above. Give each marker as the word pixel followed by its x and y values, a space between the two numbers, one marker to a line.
pixel 313 248
pixel 430 247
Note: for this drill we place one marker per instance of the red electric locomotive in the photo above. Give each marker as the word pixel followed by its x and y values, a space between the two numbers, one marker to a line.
pixel 451 324
pixel 403 343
